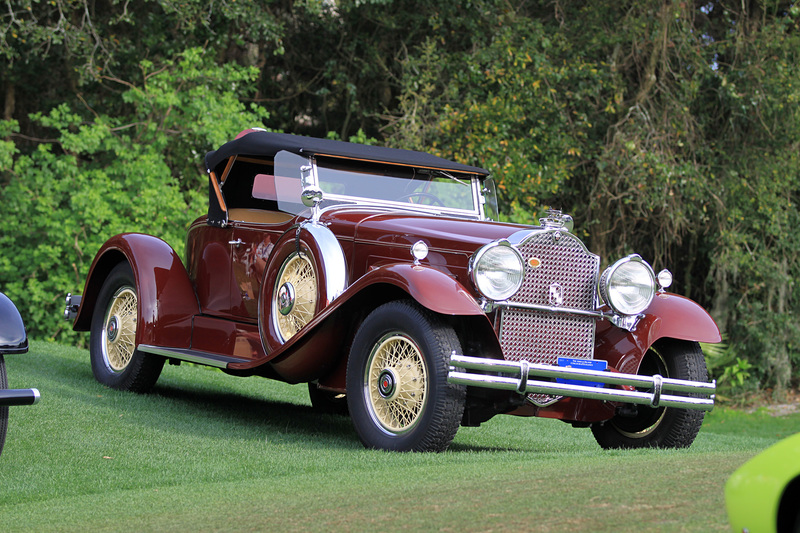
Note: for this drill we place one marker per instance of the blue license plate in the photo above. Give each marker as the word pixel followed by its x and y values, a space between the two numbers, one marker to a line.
pixel 587 364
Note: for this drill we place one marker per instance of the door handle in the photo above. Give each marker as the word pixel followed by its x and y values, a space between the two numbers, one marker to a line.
pixel 237 242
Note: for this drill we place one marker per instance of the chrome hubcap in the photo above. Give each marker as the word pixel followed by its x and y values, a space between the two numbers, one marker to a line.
pixel 112 329
pixel 387 384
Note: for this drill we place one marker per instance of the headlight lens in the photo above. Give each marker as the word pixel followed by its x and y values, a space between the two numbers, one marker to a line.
pixel 497 270
pixel 628 285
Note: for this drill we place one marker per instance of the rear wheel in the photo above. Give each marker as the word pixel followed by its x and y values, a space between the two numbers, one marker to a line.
pixel 661 427
pixel 397 389
pixel 115 360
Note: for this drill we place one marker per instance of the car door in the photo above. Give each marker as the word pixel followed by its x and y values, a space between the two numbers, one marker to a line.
pixel 251 246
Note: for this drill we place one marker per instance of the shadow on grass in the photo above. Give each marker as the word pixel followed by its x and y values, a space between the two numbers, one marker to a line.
pixel 293 422
pixel 203 402
pixel 227 413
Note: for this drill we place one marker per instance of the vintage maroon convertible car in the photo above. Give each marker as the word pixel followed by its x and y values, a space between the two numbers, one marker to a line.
pixel 378 277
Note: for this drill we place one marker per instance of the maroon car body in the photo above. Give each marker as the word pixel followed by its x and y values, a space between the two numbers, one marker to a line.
pixel 378 277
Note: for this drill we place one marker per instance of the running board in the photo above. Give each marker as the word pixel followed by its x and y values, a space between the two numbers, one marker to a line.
pixel 193 356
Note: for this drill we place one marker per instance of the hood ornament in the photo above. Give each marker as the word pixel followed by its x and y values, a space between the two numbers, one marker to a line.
pixel 557 220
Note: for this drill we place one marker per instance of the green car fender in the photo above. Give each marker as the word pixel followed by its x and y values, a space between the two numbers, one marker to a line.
pixel 763 494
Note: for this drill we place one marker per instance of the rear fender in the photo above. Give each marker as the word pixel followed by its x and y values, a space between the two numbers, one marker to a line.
pixel 669 316
pixel 167 301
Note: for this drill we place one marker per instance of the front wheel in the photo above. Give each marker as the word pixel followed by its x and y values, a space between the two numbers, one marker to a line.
pixel 661 427
pixel 115 360
pixel 397 389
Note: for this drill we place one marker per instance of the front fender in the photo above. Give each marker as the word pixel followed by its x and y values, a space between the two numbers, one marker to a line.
pixel 430 287
pixel 669 316
pixel 167 300
pixel 677 317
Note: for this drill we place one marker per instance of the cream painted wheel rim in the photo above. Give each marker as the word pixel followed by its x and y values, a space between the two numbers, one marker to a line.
pixel 396 383
pixel 119 330
pixel 298 279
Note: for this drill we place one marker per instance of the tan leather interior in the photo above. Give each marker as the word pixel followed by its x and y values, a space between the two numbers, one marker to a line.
pixel 258 216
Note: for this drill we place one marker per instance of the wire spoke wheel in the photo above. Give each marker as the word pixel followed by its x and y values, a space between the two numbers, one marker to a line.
pixel 397 390
pixel 119 331
pixel 396 383
pixel 295 299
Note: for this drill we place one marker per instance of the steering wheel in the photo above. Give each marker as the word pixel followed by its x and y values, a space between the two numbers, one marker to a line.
pixel 432 197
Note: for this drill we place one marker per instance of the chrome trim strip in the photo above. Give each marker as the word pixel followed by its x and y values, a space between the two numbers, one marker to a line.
pixel 519 380
pixel 404 206
pixel 553 309
pixel 192 356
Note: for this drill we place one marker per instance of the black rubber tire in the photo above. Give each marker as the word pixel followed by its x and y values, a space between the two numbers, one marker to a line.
pixel 328 402
pixel 395 330
pixel 3 408
pixel 662 427
pixel 141 371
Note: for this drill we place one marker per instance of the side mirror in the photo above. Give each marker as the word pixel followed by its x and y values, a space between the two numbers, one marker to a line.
pixel 311 196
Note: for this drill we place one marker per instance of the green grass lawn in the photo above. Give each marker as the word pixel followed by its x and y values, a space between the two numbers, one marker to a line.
pixel 210 452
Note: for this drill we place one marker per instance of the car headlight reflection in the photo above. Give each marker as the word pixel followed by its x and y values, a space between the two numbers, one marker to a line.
pixel 628 286
pixel 497 270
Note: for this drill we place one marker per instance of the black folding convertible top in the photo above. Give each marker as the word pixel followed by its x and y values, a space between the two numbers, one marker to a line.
pixel 264 143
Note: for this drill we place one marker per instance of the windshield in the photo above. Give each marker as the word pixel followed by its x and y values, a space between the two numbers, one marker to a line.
pixel 345 181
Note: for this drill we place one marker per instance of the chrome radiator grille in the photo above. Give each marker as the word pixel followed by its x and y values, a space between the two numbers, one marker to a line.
pixel 563 260
pixel 565 277
pixel 541 337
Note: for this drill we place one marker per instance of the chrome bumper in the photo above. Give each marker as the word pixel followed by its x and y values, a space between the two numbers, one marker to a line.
pixel 516 376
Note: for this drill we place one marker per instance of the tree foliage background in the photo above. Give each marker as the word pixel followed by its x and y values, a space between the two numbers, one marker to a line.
pixel 669 128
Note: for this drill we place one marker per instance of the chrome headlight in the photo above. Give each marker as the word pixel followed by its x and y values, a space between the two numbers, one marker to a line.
pixel 497 270
pixel 628 285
